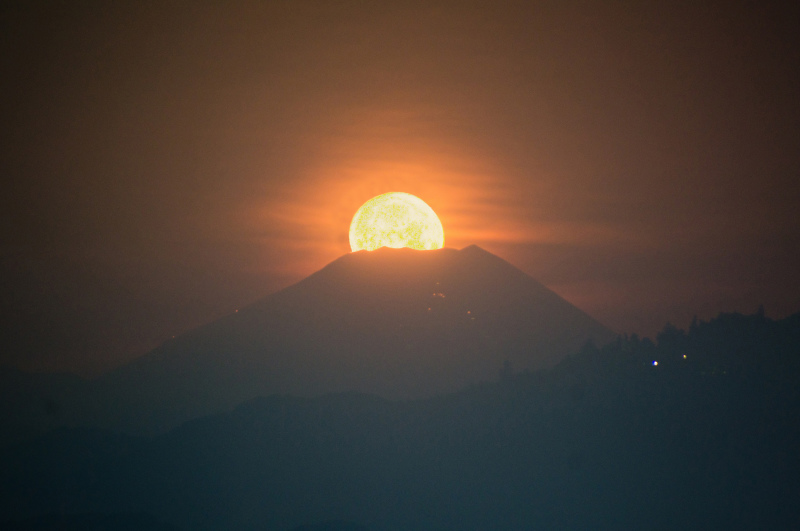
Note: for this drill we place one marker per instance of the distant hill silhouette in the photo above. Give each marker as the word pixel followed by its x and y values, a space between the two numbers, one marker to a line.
pixel 90 522
pixel 33 404
pixel 632 435
pixel 334 525
pixel 397 323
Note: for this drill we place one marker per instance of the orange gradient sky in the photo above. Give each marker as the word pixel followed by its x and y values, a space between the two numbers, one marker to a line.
pixel 171 163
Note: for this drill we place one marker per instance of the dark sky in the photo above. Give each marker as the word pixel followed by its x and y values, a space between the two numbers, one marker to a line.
pixel 167 162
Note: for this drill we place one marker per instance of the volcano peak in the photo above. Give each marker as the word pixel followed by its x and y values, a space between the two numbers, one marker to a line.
pixel 398 323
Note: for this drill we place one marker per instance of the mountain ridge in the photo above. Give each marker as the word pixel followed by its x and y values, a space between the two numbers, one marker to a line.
pixel 397 323
pixel 603 440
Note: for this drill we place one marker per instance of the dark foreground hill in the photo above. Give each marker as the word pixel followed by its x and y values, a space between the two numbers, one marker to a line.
pixel 700 430
pixel 396 323
pixel 90 522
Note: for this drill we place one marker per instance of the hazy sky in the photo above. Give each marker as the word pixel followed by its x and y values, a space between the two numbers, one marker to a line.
pixel 167 162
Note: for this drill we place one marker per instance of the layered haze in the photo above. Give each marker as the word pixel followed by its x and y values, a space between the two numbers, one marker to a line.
pixel 610 339
pixel 169 163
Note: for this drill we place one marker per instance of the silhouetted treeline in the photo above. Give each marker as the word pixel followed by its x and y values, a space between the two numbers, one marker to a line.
pixel 699 429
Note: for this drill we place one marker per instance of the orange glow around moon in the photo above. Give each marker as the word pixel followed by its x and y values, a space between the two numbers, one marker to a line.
pixel 396 220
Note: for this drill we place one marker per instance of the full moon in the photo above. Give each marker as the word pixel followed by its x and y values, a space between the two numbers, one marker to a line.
pixel 396 220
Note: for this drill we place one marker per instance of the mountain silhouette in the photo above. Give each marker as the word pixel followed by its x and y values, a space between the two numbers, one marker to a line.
pixel 398 323
pixel 605 440
pixel 90 522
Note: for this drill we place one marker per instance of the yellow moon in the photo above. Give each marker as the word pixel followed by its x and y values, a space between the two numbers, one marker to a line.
pixel 396 220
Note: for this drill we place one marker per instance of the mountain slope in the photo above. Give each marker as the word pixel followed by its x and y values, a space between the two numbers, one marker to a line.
pixel 394 322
